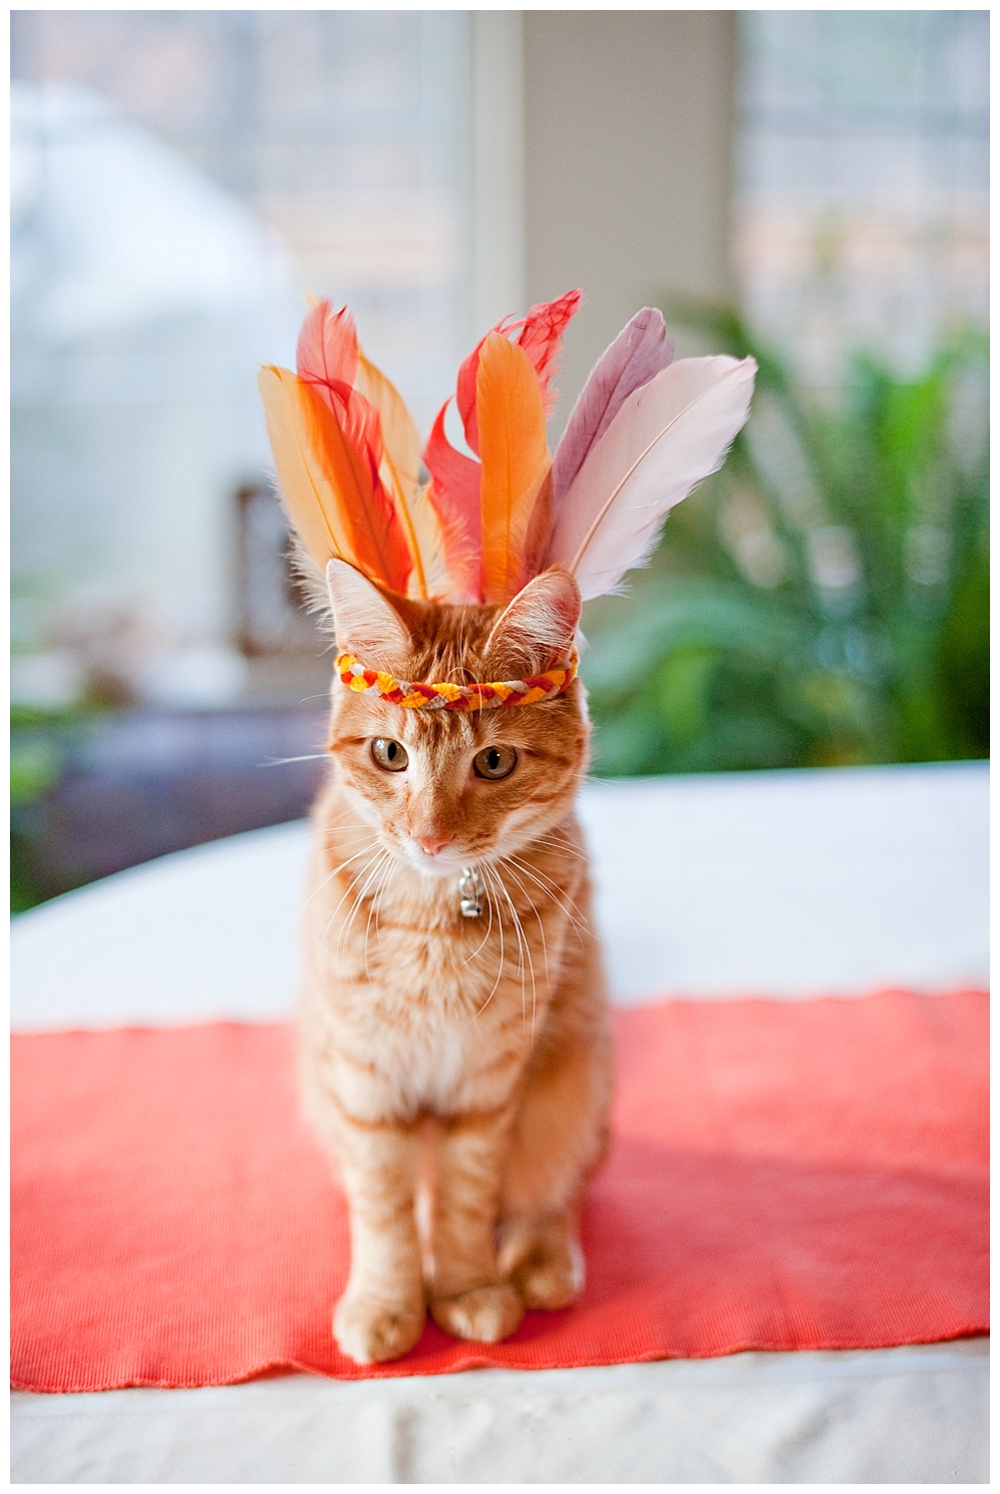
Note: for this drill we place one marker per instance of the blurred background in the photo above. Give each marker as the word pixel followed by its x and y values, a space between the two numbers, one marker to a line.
pixel 808 186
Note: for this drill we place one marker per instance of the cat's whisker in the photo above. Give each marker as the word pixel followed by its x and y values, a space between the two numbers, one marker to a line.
pixel 520 943
pixel 522 936
pixel 579 929
pixel 372 840
pixel 346 894
pixel 370 873
pixel 545 878
pixel 551 886
pixel 554 892
pixel 386 872
pixel 554 848
pixel 366 851
pixel 556 837
pixel 306 757
pixel 505 860
pixel 336 870
pixel 520 950
pixel 561 843
pixel 323 937
pixel 368 923
pixel 370 879
pixel 382 890
pixel 524 953
pixel 487 879
pixel 346 825
pixel 561 840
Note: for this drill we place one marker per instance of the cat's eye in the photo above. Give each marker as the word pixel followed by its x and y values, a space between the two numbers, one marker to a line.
pixel 389 754
pixel 494 762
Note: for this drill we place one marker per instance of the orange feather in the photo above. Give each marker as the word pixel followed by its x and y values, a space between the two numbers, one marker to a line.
pixel 515 463
pixel 336 504
pixel 400 437
pixel 540 335
pixel 400 461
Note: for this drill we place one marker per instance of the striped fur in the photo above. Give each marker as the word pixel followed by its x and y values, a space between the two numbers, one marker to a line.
pixel 457 1069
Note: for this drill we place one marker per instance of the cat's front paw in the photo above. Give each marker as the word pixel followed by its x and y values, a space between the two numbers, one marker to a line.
pixel 544 1261
pixel 551 1278
pixel 485 1314
pixel 550 1281
pixel 368 1330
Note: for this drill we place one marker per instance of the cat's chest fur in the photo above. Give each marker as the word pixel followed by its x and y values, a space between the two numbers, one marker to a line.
pixel 420 1010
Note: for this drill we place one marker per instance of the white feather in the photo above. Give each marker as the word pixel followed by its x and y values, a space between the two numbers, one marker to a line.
pixel 666 438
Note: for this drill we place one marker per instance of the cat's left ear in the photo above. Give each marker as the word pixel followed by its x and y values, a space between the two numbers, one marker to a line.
pixel 365 621
pixel 538 626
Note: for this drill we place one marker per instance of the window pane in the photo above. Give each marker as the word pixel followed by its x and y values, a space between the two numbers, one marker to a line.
pixel 180 178
pixel 861 211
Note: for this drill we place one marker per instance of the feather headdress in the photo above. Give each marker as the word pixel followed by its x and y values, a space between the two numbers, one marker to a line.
pixel 644 431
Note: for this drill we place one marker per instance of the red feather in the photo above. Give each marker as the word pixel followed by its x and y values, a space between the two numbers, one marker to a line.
pixel 540 335
pixel 541 338
pixel 454 494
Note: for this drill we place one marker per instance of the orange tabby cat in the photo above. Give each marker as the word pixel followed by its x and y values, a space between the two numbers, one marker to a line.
pixel 464 1060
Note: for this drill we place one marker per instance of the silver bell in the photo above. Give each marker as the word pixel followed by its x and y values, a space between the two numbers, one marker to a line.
pixel 471 892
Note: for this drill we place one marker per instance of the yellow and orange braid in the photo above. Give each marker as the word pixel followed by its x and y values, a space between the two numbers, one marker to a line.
pixel 448 697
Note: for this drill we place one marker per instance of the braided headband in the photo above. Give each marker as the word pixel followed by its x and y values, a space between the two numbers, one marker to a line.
pixel 448 697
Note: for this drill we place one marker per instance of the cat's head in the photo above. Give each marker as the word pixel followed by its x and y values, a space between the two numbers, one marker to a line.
pixel 445 789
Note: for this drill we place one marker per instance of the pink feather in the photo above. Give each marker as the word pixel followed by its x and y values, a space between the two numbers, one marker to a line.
pixel 666 437
pixel 639 352
pixel 327 358
pixel 327 350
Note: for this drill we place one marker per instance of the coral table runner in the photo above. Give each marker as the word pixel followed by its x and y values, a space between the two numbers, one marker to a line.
pixel 784 1175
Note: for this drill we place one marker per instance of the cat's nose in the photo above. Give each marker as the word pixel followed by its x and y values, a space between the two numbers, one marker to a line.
pixel 432 844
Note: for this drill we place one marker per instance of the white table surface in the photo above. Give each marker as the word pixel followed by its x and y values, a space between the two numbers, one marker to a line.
pixel 783 884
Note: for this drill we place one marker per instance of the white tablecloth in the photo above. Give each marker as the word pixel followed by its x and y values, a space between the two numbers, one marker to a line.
pixel 786 884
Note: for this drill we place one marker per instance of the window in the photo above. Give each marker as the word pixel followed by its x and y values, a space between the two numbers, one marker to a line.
pixel 861 212
pixel 180 179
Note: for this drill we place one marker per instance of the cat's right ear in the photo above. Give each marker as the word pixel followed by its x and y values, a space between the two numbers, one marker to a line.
pixel 365 621
pixel 539 624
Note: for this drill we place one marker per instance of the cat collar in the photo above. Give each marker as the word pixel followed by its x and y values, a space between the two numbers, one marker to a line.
pixel 449 697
